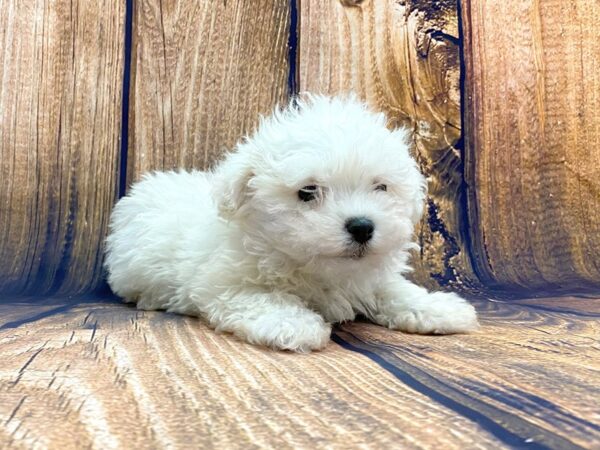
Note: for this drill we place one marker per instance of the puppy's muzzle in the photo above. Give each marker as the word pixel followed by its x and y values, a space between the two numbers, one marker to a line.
pixel 361 229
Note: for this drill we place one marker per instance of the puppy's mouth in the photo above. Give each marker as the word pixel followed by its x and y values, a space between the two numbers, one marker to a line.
pixel 357 251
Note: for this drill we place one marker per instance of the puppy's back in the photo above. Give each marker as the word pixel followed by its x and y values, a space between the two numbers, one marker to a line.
pixel 154 230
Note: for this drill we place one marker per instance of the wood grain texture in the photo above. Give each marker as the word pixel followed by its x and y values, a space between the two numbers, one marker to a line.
pixel 202 74
pixel 532 130
pixel 530 376
pixel 61 66
pixel 90 372
pixel 403 58
pixel 99 375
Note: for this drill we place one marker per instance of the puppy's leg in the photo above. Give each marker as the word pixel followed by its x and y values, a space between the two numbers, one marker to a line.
pixel 402 305
pixel 277 320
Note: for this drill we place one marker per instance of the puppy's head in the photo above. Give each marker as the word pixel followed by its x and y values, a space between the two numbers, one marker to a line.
pixel 326 181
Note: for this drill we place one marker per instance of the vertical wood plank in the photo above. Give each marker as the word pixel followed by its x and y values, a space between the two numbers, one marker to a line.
pixel 403 58
pixel 61 66
pixel 204 71
pixel 533 142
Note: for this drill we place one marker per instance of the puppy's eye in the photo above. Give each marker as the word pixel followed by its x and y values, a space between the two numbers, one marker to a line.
pixel 381 187
pixel 308 193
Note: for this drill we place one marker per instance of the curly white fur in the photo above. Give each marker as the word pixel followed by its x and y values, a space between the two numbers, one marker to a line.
pixel 238 247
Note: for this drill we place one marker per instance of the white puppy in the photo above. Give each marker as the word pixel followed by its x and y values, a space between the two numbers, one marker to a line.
pixel 307 223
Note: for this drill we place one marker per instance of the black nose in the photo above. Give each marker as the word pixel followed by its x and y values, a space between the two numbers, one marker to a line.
pixel 360 228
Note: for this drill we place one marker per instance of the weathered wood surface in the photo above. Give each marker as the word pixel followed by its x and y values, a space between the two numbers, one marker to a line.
pixel 532 131
pixel 61 67
pixel 531 375
pixel 79 373
pixel 202 74
pixel 403 58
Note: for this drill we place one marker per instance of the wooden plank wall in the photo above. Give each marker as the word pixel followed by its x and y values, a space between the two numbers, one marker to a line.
pixel 61 69
pixel 533 143
pixel 201 72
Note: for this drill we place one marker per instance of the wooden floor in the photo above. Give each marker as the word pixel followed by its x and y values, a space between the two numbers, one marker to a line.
pixel 91 372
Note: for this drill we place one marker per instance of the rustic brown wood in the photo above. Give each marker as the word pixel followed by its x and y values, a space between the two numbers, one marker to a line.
pixel 107 375
pixel 76 373
pixel 61 66
pixel 533 368
pixel 533 142
pixel 403 58
pixel 203 72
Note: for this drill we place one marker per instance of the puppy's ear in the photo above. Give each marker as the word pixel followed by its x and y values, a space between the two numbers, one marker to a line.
pixel 230 183
pixel 420 195
pixel 413 175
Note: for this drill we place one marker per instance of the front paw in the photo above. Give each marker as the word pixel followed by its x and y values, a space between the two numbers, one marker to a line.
pixel 302 332
pixel 436 313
